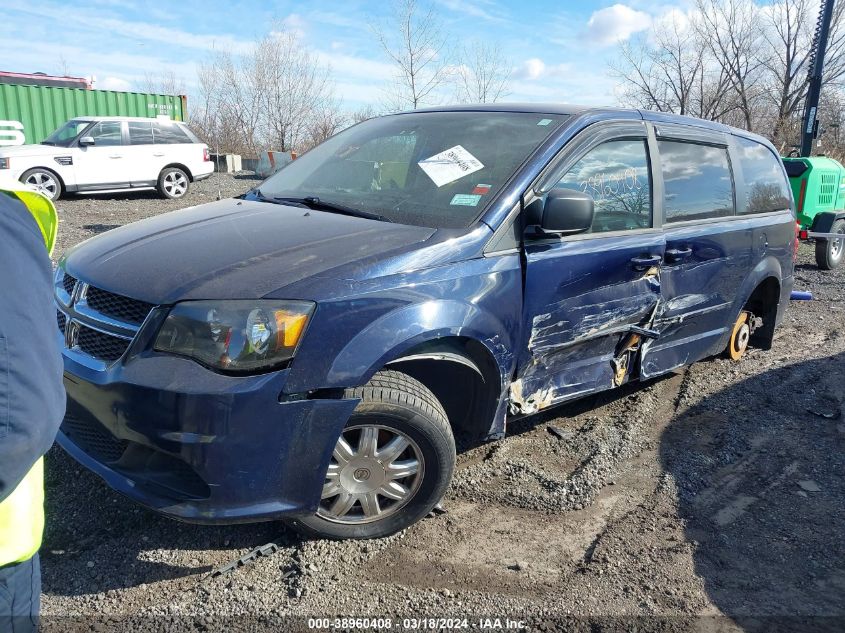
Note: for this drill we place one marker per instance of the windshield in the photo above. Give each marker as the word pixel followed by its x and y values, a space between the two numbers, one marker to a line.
pixel 434 169
pixel 65 134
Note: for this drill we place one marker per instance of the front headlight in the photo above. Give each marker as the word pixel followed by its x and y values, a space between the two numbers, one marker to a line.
pixel 236 336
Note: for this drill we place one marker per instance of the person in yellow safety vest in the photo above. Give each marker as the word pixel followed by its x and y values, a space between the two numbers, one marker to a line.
pixel 32 397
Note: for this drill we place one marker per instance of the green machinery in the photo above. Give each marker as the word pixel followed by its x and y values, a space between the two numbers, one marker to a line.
pixel 818 187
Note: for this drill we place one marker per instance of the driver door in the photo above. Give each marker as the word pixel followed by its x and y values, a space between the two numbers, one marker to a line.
pixel 585 294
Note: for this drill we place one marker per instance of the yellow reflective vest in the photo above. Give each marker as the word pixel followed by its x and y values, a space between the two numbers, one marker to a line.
pixel 22 512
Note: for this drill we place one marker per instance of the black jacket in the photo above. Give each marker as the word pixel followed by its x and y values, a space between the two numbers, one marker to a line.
pixel 32 397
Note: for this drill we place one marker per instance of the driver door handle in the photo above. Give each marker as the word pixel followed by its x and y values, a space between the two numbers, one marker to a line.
pixel 645 262
pixel 115 155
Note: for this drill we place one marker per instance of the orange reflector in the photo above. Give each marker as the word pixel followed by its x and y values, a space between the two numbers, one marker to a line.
pixel 289 327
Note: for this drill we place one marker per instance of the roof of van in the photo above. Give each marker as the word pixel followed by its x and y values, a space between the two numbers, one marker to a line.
pixel 572 109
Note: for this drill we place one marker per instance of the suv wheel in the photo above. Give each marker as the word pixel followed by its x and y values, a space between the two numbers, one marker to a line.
pixel 44 182
pixel 173 183
pixel 391 464
pixel 829 252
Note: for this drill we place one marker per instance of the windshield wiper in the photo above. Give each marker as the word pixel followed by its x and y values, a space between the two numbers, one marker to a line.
pixel 291 201
pixel 313 202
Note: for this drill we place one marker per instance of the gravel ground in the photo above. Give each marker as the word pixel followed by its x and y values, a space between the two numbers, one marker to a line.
pixel 711 499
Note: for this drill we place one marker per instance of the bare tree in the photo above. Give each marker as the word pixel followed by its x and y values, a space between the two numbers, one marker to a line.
pixel 414 41
pixel 483 73
pixel 671 69
pixel 166 83
pixel 275 96
pixel 731 30
pixel 362 114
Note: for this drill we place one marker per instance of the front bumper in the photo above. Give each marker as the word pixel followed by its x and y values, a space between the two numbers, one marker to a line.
pixel 199 446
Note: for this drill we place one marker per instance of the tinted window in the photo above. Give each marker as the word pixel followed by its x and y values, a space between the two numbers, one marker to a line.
pixel 169 133
pixel 615 174
pixel 765 185
pixel 697 181
pixel 436 169
pixel 106 133
pixel 65 134
pixel 140 133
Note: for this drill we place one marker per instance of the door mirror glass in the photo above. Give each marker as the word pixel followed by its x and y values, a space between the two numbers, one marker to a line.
pixel 567 212
pixel 86 141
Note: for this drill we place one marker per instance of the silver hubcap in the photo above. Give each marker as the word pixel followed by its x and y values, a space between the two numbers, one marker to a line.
pixel 836 248
pixel 375 471
pixel 175 184
pixel 43 183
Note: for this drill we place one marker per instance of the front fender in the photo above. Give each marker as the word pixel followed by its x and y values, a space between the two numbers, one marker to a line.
pixel 390 336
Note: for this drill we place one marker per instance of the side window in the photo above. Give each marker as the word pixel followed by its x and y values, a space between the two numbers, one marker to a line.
pixel 766 187
pixel 168 134
pixel 106 133
pixel 697 181
pixel 140 133
pixel 615 174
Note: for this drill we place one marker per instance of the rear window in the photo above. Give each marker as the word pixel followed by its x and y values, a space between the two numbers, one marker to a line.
pixel 766 187
pixel 169 134
pixel 697 181
pixel 140 133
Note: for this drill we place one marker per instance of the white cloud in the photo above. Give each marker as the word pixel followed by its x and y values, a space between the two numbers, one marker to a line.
pixel 474 9
pixel 113 83
pixel 532 68
pixel 614 24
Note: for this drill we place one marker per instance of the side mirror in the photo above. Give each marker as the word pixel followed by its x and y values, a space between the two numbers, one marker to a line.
pixel 567 212
pixel 85 141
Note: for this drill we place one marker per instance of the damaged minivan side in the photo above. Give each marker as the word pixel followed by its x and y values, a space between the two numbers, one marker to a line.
pixel 309 351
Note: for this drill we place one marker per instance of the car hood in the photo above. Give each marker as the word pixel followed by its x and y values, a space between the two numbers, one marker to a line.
pixel 232 249
pixel 33 150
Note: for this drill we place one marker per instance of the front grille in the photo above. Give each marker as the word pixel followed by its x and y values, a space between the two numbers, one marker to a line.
pixel 101 345
pixel 68 282
pixel 93 438
pixel 61 320
pixel 117 306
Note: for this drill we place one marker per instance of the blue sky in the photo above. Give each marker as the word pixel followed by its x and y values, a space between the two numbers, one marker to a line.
pixel 559 50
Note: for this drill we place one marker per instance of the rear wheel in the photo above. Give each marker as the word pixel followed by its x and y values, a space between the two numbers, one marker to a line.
pixel 740 335
pixel 829 253
pixel 390 466
pixel 173 183
pixel 44 182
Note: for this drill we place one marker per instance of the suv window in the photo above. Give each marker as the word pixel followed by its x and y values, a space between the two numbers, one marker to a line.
pixel 106 133
pixel 766 187
pixel 169 134
pixel 140 133
pixel 615 174
pixel 697 181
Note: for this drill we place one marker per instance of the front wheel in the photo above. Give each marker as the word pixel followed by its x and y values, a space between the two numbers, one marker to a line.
pixel 44 182
pixel 173 183
pixel 829 252
pixel 390 466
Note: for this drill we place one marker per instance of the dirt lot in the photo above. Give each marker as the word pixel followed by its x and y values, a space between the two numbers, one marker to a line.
pixel 715 492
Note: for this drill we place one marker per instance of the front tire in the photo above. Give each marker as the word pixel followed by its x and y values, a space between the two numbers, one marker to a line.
pixel 829 252
pixel 390 466
pixel 173 183
pixel 44 182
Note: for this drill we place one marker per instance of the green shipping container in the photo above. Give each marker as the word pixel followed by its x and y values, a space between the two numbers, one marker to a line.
pixel 29 114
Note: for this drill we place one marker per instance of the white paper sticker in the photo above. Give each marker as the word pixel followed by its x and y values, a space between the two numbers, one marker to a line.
pixel 449 165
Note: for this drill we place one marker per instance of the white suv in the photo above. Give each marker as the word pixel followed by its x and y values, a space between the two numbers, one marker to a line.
pixel 90 154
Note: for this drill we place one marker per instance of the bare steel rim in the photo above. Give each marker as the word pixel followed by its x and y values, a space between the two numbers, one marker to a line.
pixel 175 183
pixel 742 337
pixel 44 183
pixel 374 472
pixel 836 248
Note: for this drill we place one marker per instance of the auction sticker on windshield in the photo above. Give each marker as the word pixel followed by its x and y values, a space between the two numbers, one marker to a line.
pixel 449 165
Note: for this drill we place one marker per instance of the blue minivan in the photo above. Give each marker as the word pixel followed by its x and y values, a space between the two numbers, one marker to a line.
pixel 309 350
